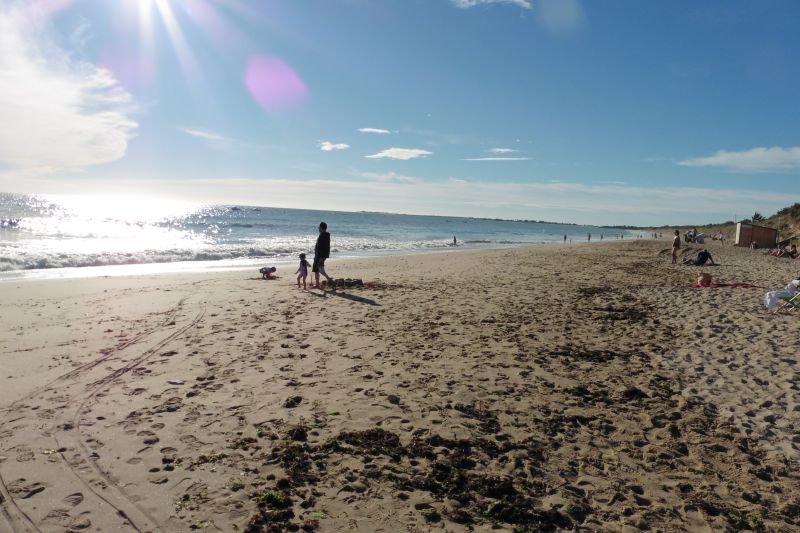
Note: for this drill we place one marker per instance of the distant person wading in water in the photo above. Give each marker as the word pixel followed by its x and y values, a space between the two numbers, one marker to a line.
pixel 322 250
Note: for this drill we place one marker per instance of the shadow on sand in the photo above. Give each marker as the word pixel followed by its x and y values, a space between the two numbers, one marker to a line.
pixel 346 296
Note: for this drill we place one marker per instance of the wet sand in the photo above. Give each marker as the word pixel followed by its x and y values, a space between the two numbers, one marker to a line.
pixel 556 388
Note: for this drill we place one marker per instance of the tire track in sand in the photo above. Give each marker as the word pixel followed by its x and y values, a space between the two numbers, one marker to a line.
pixel 66 435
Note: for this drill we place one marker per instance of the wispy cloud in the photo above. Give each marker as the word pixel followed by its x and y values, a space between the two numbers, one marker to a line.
pixel 81 35
pixel 389 177
pixel 498 159
pixel 73 114
pixel 503 150
pixel 773 159
pixel 203 134
pixel 464 4
pixel 560 16
pixel 437 138
pixel 400 153
pixel 327 146
pixel 379 131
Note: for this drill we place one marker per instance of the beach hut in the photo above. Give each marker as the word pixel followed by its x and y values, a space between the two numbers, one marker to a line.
pixel 763 236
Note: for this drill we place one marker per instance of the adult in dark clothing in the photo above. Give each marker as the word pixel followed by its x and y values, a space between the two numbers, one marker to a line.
pixel 322 250
pixel 702 258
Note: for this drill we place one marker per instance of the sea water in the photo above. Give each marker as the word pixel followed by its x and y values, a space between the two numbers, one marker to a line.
pixel 66 233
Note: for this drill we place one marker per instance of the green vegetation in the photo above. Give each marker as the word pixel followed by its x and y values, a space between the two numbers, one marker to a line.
pixel 742 520
pixel 272 498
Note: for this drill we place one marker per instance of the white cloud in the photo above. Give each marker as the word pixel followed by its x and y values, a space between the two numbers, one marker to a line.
pixel 379 131
pixel 202 134
pixel 400 153
pixel 464 4
pixel 503 150
pixel 72 113
pixel 327 146
pixel 498 159
pixel 755 160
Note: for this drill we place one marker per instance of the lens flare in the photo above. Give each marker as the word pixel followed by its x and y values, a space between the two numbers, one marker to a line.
pixel 273 84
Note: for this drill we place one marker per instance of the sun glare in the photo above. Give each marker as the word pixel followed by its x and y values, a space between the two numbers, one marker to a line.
pixel 165 11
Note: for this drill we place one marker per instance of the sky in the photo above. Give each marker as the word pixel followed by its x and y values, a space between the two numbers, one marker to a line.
pixel 584 111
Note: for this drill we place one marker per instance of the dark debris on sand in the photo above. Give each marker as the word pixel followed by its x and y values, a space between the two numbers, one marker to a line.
pixel 447 468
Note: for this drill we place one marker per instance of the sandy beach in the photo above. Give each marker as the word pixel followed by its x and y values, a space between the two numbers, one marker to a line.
pixel 550 388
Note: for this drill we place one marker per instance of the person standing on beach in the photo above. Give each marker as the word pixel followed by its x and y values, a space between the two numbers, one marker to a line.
pixel 589 239
pixel 676 244
pixel 565 239
pixel 322 250
pixel 455 242
pixel 302 271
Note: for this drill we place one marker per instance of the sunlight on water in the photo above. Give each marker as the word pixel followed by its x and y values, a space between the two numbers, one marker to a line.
pixel 127 208
pixel 103 223
pixel 81 230
pixel 101 231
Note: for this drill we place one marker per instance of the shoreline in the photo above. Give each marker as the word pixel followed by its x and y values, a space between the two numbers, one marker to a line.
pixel 544 388
pixel 240 264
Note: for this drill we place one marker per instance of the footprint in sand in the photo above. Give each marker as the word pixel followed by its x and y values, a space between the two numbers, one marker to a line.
pixel 25 454
pixel 79 523
pixel 190 440
pixel 24 490
pixel 59 517
pixel 74 499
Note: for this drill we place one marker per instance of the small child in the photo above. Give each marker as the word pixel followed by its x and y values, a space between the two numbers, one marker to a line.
pixel 302 272
pixel 267 272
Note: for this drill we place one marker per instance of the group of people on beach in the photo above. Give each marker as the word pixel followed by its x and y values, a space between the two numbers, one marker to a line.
pixel 322 251
pixel 703 256
pixel 789 252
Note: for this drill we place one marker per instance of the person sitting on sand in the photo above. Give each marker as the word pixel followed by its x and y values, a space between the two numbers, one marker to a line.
pixel 788 252
pixel 302 272
pixel 676 244
pixel 267 272
pixel 702 258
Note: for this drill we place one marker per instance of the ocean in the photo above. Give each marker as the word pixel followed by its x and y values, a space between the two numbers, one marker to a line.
pixel 74 235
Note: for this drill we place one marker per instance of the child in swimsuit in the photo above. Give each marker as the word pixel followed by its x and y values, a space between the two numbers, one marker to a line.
pixel 302 272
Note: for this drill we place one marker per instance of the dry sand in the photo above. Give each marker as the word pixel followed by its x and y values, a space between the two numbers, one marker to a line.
pixel 579 388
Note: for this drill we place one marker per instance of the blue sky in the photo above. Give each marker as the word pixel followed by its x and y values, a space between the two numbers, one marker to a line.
pixel 612 111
